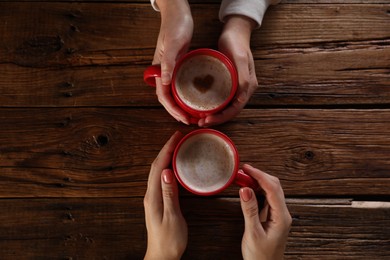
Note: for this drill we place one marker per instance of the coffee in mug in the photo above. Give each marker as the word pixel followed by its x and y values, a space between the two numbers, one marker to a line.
pixel 203 82
pixel 206 162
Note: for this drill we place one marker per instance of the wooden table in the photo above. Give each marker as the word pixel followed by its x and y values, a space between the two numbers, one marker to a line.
pixel 79 129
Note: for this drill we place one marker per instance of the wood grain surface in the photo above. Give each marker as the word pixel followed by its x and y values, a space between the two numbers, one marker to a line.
pixel 114 229
pixel 80 54
pixel 84 152
pixel 79 129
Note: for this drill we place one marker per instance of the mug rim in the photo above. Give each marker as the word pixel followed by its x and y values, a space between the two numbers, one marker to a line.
pixel 235 157
pixel 221 57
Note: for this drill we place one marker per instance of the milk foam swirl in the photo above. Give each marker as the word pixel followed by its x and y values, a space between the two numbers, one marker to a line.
pixel 205 162
pixel 203 82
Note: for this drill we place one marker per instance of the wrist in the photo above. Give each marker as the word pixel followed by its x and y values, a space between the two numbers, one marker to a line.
pixel 178 7
pixel 157 255
pixel 240 24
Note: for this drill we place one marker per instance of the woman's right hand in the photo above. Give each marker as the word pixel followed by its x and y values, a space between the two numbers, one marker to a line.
pixel 266 233
pixel 173 41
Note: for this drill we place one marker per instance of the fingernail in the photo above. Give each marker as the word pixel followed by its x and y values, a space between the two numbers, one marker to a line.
pixel 248 166
pixel 246 194
pixel 167 177
pixel 177 132
pixel 208 121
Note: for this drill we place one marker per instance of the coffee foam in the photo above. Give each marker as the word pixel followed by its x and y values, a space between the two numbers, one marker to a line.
pixel 203 82
pixel 205 162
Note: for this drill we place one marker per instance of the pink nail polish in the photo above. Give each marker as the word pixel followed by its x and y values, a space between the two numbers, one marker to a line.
pixel 246 194
pixel 167 177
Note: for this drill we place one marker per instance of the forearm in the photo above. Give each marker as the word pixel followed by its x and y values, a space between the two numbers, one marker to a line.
pixel 168 6
pixel 254 9
pixel 241 25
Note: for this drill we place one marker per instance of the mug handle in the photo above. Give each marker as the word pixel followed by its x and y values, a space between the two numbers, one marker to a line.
pixel 151 73
pixel 244 180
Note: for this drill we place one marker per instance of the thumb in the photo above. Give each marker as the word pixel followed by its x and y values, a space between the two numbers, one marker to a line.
pixel 170 192
pixel 250 209
pixel 168 63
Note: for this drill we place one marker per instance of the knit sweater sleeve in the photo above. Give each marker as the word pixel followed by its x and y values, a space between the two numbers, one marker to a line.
pixel 254 9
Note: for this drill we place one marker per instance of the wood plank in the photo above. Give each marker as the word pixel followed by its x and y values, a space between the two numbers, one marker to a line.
pixel 72 229
pixel 289 23
pixel 114 229
pixel 86 28
pixel 337 225
pixel 89 152
pixel 329 74
pixel 84 55
pixel 85 86
pixel 283 77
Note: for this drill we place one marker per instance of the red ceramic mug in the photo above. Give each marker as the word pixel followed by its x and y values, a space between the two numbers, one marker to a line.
pixel 206 162
pixel 204 81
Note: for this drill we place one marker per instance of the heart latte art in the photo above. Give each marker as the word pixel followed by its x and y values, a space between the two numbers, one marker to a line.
pixel 203 82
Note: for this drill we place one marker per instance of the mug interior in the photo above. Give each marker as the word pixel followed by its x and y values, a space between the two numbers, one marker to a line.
pixel 205 162
pixel 204 81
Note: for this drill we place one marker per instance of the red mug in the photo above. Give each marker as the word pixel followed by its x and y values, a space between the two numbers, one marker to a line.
pixel 204 81
pixel 206 162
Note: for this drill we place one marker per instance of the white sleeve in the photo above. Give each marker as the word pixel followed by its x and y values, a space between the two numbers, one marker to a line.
pixel 254 9
pixel 154 5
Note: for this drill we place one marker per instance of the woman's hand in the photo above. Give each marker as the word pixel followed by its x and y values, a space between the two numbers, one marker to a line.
pixel 265 235
pixel 166 226
pixel 234 42
pixel 173 41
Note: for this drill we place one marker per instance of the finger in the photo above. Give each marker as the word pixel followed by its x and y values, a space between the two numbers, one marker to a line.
pixel 272 188
pixel 247 84
pixel 153 197
pixel 202 122
pixel 250 210
pixel 241 98
pixel 264 212
pixel 166 72
pixel 164 157
pixel 247 81
pixel 157 53
pixel 226 114
pixel 194 120
pixel 242 66
pixel 170 193
pixel 165 97
pixel 168 62
pixel 252 72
